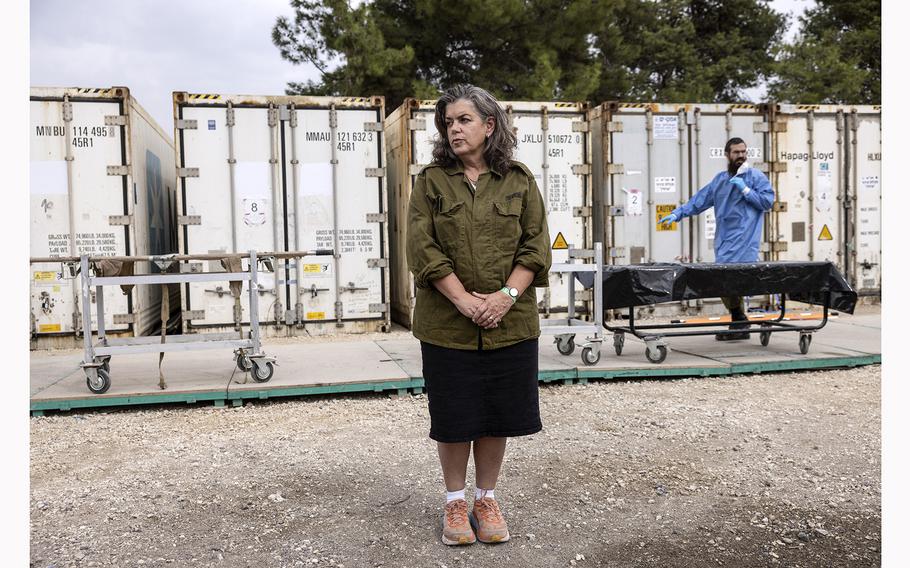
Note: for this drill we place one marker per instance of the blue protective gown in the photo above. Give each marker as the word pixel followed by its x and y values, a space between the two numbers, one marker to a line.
pixel 739 217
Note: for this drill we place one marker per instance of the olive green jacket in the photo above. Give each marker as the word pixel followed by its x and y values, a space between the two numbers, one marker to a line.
pixel 480 237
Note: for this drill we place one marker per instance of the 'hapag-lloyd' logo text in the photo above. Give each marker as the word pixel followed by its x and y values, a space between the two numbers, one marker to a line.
pixel 804 156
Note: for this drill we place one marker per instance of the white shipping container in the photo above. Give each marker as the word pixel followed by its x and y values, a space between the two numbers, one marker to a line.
pixel 102 182
pixel 281 173
pixel 552 138
pixel 865 191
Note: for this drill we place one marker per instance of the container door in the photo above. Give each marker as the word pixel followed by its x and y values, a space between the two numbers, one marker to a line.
pixel 340 198
pixel 549 146
pixel 214 222
pixel 713 126
pixel 649 157
pixel 866 131
pixel 97 196
pixel 808 187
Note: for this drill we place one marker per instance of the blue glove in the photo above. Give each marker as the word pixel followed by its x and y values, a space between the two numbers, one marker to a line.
pixel 738 182
pixel 671 218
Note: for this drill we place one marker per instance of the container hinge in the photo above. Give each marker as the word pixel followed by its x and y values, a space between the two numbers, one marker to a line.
pixel 185 124
pixel 193 315
pixel 377 218
pixel 374 172
pixel 780 206
pixel 417 124
pixel 377 262
pixel 124 318
pixel 189 219
pixel 191 268
pixel 415 169
pixel 580 126
pixel 780 246
pixel 273 117
pixel 116 120
pixel 118 170
pixel 292 116
pixel 581 169
pixel 372 127
pixel 581 211
pixel 616 169
pixel 67 111
pixel 188 172
pixel 617 252
pixel 120 219
pixel 616 211
pixel 614 126
pixel 382 308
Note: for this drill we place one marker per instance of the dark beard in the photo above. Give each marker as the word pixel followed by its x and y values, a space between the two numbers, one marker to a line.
pixel 732 168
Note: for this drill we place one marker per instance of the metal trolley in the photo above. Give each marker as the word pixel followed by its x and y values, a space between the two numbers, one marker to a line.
pixel 566 329
pixel 656 347
pixel 248 353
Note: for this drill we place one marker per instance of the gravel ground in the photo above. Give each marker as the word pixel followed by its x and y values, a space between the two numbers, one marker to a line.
pixel 761 470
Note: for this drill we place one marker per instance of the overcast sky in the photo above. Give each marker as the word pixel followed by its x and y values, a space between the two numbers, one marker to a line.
pixel 157 47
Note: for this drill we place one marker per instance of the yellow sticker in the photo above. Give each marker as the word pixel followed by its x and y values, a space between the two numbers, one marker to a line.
pixel 48 327
pixel 56 288
pixel 662 211
pixel 825 235
pixel 315 315
pixel 560 242
pixel 45 276
pixel 312 268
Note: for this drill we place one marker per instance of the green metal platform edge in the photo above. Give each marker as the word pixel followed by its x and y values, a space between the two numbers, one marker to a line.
pixel 416 384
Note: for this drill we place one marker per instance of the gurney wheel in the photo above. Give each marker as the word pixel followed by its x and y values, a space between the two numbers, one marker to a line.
pixel 804 342
pixel 765 338
pixel 106 365
pixel 104 382
pixel 244 364
pixel 657 355
pixel 589 356
pixel 262 372
pixel 566 347
pixel 619 339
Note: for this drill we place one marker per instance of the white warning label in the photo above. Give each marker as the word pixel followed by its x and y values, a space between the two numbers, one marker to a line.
pixel 349 240
pixel 710 223
pixel 665 184
pixel 99 244
pixel 666 127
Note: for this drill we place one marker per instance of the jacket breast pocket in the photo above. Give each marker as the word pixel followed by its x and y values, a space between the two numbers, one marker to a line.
pixel 450 223
pixel 507 225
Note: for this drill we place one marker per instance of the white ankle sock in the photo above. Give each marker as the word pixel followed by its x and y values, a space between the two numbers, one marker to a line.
pixel 485 492
pixel 454 495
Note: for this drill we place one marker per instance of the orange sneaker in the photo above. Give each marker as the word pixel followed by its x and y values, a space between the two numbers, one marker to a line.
pixel 456 529
pixel 488 521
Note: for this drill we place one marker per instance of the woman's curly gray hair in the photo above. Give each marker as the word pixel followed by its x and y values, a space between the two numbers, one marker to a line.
pixel 497 149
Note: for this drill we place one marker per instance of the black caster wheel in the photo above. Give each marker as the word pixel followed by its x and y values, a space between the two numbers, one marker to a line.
pixel 804 342
pixel 619 340
pixel 657 355
pixel 263 371
pixel 765 338
pixel 102 384
pixel 566 347
pixel 589 356
pixel 244 364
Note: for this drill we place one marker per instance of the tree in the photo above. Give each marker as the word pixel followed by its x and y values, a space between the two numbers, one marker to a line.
pixel 687 50
pixel 835 59
pixel 672 50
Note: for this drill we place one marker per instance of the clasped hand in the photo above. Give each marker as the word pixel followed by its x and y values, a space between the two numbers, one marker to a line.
pixel 486 310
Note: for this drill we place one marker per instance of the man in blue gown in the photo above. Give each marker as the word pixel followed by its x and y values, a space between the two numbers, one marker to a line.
pixel 740 195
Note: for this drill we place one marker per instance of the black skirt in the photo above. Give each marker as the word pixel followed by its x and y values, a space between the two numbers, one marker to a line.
pixel 474 394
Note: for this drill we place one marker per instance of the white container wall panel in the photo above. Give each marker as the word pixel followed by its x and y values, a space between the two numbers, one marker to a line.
pixel 227 225
pixel 96 196
pixel 809 148
pixel 712 125
pixel 344 197
pixel 866 193
pixel 645 177
pixel 550 146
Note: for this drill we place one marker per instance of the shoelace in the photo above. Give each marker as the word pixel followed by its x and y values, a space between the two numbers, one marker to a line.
pixel 457 513
pixel 489 509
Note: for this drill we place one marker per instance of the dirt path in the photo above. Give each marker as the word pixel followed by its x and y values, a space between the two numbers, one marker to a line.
pixel 762 470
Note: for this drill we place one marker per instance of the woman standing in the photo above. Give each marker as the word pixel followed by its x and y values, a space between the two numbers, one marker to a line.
pixel 477 245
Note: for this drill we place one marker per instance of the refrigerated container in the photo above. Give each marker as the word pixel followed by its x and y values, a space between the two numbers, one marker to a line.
pixel 284 173
pixel 553 142
pixel 864 214
pixel 101 183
